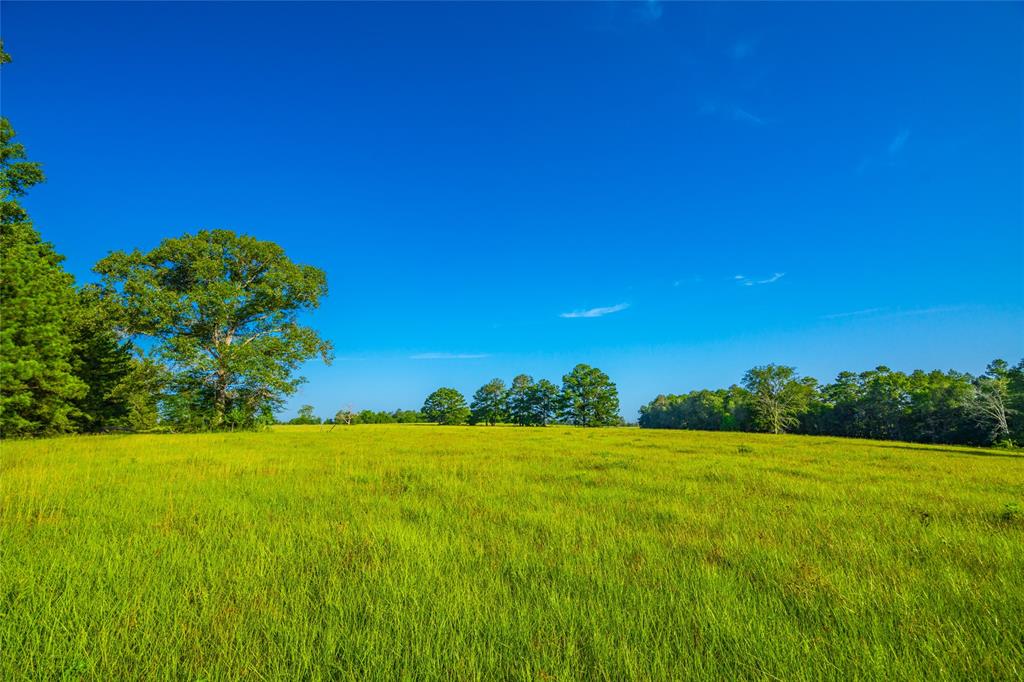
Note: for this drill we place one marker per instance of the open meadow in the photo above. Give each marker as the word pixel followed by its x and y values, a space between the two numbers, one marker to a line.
pixel 427 552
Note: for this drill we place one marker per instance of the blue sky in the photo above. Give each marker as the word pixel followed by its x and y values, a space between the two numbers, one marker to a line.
pixel 673 192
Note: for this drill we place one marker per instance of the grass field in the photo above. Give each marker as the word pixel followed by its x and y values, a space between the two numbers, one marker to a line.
pixel 426 552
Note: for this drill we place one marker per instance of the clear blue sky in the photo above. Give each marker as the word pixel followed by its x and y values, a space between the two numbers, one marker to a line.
pixel 832 186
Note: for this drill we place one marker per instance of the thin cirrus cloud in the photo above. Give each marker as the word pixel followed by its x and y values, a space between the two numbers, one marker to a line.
pixel 898 142
pixel 747 117
pixel 730 113
pixel 854 313
pixel 595 312
pixel 747 282
pixel 894 149
pixel 889 313
pixel 448 356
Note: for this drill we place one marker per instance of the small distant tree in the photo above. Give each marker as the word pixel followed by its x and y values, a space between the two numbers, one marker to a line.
pixel 989 405
pixel 446 406
pixel 407 416
pixel 344 416
pixel 777 396
pixel 306 416
pixel 589 398
pixel 489 404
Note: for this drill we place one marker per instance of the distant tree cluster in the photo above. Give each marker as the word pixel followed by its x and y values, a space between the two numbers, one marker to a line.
pixel 348 417
pixel 587 398
pixel 927 407
pixel 216 312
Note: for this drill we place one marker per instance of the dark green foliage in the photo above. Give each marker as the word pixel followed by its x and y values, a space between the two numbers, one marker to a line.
pixel 382 417
pixel 720 410
pixel 140 392
pixel 407 417
pixel 103 363
pixel 446 406
pixel 937 410
pixel 542 400
pixel 519 407
pixel 928 407
pixel 490 403
pixel 589 398
pixel 223 311
pixel 38 388
pixel 532 403
pixel 371 417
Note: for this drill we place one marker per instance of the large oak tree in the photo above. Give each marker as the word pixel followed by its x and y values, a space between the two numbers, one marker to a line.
pixel 222 310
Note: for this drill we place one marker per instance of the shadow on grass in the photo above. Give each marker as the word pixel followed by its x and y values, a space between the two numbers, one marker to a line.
pixel 954 450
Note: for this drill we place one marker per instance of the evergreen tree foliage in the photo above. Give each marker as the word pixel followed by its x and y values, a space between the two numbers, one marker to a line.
pixel 38 388
pixel 589 398
pixel 927 407
pixel 490 403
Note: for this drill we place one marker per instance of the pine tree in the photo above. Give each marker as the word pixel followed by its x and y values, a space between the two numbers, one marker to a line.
pixel 103 362
pixel 37 302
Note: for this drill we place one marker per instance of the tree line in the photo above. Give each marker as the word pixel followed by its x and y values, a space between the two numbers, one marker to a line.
pixel 926 407
pixel 587 397
pixel 347 416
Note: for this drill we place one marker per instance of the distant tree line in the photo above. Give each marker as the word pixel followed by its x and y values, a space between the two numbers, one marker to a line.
pixel 926 407
pixel 587 397
pixel 347 417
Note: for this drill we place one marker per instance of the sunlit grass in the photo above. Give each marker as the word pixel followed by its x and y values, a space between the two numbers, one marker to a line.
pixel 508 553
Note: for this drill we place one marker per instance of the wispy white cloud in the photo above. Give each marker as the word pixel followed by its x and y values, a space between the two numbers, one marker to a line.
pixel 747 282
pixel 596 312
pixel 448 356
pixel 898 142
pixel 745 116
pixel 886 313
pixel 729 113
pixel 935 310
pixel 854 313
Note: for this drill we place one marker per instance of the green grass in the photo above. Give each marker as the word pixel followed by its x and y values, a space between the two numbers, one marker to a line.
pixel 427 552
